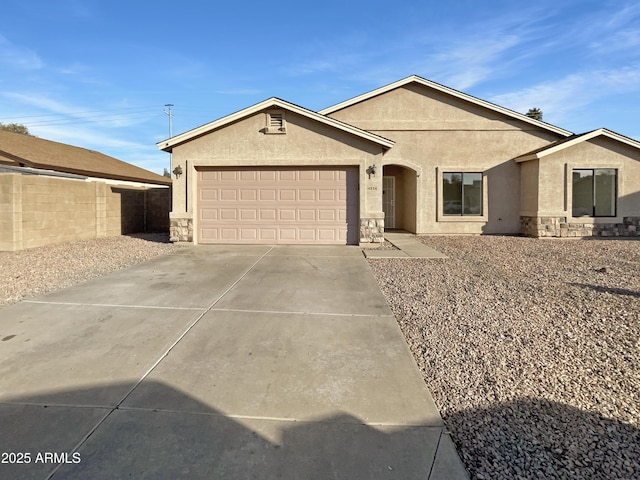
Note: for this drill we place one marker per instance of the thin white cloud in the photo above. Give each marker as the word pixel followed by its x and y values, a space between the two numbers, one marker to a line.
pixel 62 113
pixel 622 15
pixel 18 57
pixel 85 137
pixel 469 63
pixel 560 97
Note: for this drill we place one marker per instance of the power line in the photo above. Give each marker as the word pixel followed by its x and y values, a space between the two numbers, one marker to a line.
pixel 141 109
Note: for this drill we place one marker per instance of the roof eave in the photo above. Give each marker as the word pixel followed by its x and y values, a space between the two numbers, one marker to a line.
pixel 526 158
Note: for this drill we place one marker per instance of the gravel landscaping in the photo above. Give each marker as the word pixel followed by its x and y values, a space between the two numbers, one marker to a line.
pixel 34 271
pixel 531 349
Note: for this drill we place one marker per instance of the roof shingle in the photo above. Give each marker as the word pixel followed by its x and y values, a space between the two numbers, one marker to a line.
pixel 25 150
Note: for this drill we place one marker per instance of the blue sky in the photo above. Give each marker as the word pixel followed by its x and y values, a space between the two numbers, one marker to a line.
pixel 97 73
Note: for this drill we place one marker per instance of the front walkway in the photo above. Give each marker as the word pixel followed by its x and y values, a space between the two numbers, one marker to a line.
pixel 408 247
pixel 225 362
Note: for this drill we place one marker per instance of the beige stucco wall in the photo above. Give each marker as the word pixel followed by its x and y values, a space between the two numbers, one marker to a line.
pixel 555 191
pixel 39 210
pixel 529 183
pixel 436 133
pixel 305 143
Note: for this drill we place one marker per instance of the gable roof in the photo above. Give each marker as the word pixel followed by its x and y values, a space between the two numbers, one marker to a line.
pixel 573 140
pixel 28 151
pixel 449 91
pixel 273 102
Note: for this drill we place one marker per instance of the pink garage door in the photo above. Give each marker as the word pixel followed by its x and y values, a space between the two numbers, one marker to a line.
pixel 278 205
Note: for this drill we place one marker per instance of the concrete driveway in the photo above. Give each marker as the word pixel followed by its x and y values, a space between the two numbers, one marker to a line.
pixel 218 362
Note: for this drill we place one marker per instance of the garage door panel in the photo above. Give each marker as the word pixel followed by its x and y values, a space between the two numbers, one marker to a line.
pixel 328 175
pixel 271 205
pixel 228 214
pixel 270 214
pixel 248 195
pixel 250 214
pixel 327 215
pixel 306 195
pixel 267 175
pixel 208 175
pixel 328 235
pixel 288 195
pixel 210 233
pixel 249 234
pixel 307 234
pixel 228 234
pixel 306 215
pixel 209 214
pixel 287 214
pixel 328 195
pixel 307 175
pixel 268 234
pixel 268 195
pixel 209 194
pixel 287 175
pixel 287 234
pixel 228 195
pixel 228 175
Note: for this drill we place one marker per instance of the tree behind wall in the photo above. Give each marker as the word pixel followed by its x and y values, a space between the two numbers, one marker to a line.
pixel 534 113
pixel 15 128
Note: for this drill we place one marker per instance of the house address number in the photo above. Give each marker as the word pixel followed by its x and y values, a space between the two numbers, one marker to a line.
pixel 372 188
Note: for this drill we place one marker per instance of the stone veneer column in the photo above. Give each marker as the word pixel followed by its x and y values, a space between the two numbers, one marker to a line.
pixel 180 228
pixel 371 230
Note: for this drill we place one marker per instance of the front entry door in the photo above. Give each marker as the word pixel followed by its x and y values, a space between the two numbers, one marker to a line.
pixel 389 201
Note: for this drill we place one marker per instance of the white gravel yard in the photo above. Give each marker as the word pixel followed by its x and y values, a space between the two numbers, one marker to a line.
pixel 34 271
pixel 531 349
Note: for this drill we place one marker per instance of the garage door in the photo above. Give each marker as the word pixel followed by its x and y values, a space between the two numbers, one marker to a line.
pixel 278 205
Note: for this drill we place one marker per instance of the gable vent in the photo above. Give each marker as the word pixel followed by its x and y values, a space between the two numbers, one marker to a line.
pixel 276 120
pixel 276 123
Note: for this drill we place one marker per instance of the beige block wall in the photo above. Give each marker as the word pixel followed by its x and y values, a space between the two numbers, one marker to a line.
pixel 305 143
pixel 10 211
pixel 37 210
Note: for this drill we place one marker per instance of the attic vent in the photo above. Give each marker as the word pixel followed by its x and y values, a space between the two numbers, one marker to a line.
pixel 276 120
pixel 275 123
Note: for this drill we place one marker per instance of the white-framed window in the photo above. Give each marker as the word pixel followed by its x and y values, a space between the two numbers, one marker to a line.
pixel 594 192
pixel 462 194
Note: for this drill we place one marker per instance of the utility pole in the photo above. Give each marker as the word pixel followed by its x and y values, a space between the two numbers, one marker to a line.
pixel 170 115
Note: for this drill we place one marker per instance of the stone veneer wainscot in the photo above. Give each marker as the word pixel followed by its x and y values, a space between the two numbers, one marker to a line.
pixel 559 227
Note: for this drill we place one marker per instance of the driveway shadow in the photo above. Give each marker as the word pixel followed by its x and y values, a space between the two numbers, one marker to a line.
pixel 534 438
pixel 200 442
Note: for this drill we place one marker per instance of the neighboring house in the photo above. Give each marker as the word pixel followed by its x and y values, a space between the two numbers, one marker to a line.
pixel 51 192
pixel 413 155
